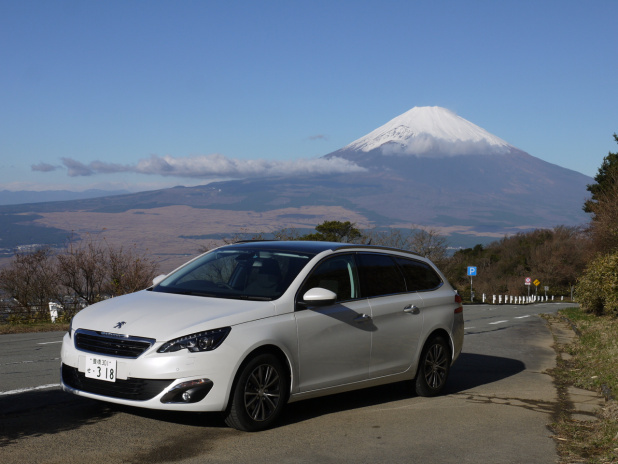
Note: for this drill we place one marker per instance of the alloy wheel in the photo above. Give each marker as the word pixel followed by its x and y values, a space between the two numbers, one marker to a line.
pixel 262 392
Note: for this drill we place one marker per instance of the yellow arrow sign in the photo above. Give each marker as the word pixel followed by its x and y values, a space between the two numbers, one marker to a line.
pixel 537 282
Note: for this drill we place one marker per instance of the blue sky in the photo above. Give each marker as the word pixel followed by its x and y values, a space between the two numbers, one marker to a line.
pixel 279 83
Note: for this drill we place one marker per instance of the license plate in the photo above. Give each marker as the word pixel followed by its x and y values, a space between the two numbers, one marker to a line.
pixel 101 368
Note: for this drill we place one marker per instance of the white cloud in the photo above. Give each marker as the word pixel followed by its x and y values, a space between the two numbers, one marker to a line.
pixel 215 165
pixel 75 168
pixel 428 145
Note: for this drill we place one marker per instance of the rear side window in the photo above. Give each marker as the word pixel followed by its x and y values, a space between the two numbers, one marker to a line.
pixel 419 276
pixel 379 275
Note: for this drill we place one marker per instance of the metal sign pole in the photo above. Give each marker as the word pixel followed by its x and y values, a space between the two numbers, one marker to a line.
pixel 471 272
pixel 471 292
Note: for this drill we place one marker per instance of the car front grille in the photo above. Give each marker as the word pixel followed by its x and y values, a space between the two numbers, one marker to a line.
pixel 111 344
pixel 129 389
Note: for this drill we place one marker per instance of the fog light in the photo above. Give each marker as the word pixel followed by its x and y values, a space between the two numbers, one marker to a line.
pixel 191 391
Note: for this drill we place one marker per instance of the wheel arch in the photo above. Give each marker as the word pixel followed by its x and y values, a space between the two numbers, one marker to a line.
pixel 264 349
pixel 440 332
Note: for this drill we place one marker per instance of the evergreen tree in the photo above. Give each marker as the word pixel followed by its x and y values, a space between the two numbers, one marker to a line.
pixel 335 231
pixel 605 180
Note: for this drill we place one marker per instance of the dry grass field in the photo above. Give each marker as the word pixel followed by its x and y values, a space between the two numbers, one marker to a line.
pixel 175 233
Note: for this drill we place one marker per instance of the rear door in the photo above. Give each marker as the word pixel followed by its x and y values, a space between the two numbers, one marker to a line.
pixel 396 313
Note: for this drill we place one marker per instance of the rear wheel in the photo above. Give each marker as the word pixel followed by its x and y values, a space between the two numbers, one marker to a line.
pixel 433 367
pixel 259 395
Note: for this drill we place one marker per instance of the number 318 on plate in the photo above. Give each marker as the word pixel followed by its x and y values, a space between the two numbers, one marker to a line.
pixel 101 368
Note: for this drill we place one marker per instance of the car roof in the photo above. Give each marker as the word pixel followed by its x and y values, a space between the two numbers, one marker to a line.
pixel 305 246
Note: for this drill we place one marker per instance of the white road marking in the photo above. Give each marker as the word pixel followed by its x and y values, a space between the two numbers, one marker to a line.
pixel 522 317
pixel 29 362
pixel 48 343
pixel 498 322
pixel 25 390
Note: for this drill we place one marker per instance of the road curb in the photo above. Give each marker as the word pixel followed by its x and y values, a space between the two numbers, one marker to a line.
pixel 584 405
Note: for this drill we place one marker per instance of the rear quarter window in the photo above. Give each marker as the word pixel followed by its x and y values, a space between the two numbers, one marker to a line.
pixel 419 276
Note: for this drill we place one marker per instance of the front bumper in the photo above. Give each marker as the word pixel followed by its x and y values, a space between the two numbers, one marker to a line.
pixel 186 392
pixel 175 381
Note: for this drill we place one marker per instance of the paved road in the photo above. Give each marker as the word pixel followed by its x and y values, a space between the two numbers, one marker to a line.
pixel 496 409
pixel 489 318
pixel 29 361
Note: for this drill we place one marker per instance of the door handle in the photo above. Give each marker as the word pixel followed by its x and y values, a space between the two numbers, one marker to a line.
pixel 412 309
pixel 362 318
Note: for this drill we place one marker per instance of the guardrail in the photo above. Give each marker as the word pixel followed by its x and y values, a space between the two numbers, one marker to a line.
pixel 521 300
pixel 52 312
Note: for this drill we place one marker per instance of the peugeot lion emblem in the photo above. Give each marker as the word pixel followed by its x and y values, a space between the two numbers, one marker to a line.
pixel 119 325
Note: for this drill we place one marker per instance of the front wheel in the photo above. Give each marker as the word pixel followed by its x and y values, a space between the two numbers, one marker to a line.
pixel 259 395
pixel 433 367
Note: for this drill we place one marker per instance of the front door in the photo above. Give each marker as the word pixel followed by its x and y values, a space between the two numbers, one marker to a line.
pixel 334 341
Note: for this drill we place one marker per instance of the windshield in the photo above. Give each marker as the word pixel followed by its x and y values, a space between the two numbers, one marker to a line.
pixel 255 274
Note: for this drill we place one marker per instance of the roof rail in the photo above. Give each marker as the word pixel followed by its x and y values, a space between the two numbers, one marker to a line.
pixel 255 240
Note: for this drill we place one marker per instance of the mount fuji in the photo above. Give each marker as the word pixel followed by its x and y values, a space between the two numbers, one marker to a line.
pixel 430 166
pixel 429 131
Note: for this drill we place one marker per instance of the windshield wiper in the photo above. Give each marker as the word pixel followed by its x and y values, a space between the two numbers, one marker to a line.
pixel 246 297
pixel 180 291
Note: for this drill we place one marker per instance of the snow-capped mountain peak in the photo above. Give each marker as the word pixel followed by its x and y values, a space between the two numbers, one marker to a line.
pixel 427 131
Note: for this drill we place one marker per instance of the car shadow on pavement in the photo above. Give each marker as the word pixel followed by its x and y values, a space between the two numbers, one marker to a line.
pixel 473 370
pixel 46 412
pixel 470 371
pixel 195 419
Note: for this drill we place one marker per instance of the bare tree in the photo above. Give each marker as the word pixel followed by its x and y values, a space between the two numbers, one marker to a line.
pixel 430 244
pixel 94 270
pixel 82 270
pixel 393 238
pixel 30 283
pixel 128 271
pixel 424 241
pixel 84 274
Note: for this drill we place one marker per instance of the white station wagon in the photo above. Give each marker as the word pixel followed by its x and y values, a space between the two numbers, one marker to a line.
pixel 246 328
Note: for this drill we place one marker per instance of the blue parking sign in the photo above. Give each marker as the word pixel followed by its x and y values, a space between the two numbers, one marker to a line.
pixel 471 270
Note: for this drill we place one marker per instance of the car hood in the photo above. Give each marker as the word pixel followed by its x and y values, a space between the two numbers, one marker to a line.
pixel 164 316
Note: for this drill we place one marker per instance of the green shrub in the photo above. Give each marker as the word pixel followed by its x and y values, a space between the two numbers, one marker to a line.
pixel 597 288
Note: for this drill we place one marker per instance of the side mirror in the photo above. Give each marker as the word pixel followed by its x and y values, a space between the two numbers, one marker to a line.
pixel 319 297
pixel 158 279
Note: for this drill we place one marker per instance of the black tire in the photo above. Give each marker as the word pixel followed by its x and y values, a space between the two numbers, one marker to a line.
pixel 259 394
pixel 433 367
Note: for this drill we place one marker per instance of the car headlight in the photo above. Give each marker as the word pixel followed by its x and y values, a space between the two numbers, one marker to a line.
pixel 201 341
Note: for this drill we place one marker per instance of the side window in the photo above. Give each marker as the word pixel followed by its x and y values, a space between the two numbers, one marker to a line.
pixel 337 274
pixel 379 275
pixel 419 276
